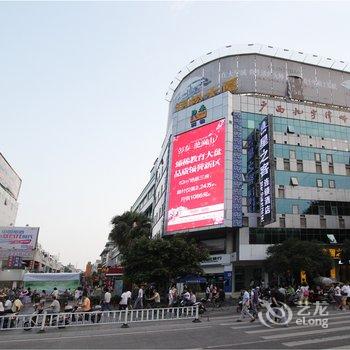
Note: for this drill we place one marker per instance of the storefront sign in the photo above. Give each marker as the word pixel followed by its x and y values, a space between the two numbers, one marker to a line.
pixel 218 259
pixel 266 173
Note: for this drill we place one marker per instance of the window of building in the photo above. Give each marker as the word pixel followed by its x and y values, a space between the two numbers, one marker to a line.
pixel 281 191
pixel 319 183
pixel 302 221
pixel 251 124
pixel 282 221
pixel 245 221
pixel 317 157
pixel 347 169
pixel 292 154
pixel 331 169
pixel 295 209
pixel 329 158
pixel 290 129
pixel 300 166
pixel 294 181
pixel 341 222
pixel 323 222
pixel 334 210
pixel 321 210
pixel 286 164
pixel 331 183
pixel 318 168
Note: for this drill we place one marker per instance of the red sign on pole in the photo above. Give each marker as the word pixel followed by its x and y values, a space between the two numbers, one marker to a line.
pixel 197 178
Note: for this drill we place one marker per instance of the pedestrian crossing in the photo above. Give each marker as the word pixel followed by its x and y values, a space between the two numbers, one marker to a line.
pixel 336 335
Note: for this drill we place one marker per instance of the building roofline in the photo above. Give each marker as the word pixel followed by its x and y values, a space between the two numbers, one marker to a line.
pixel 260 49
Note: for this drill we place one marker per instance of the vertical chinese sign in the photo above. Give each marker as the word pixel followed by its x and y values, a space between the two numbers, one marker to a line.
pixel 252 174
pixel 237 181
pixel 266 173
pixel 196 197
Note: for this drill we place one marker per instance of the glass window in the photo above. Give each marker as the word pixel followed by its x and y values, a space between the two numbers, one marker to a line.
pixel 294 181
pixel 318 168
pixel 323 223
pixel 341 223
pixel 290 129
pixel 282 222
pixel 321 210
pixel 318 157
pixel 251 124
pixel 331 169
pixel 334 210
pixel 319 183
pixel 295 209
pixel 329 158
pixel 245 221
pixel 281 192
pixel 347 169
pixel 291 154
pixel 300 166
pixel 286 164
pixel 331 183
pixel 303 222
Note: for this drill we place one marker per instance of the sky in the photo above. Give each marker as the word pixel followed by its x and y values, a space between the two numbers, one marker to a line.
pixel 82 96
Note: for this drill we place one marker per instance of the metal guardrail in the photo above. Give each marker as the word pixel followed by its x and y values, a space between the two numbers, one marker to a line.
pixel 72 319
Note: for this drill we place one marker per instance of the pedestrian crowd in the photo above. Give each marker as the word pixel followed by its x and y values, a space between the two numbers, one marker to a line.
pixel 253 298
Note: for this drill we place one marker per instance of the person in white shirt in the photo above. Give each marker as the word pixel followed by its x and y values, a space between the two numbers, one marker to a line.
pixel 2 309
pixel 170 297
pixel 125 300
pixel 345 291
pixel 55 293
pixel 193 297
pixel 245 307
pixel 139 299
pixel 107 300
pixel 8 306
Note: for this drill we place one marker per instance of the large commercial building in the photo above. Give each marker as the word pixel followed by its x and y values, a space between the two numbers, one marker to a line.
pixel 256 151
pixel 10 184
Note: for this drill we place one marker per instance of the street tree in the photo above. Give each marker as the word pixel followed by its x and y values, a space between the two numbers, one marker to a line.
pixel 345 252
pixel 162 260
pixel 128 226
pixel 293 256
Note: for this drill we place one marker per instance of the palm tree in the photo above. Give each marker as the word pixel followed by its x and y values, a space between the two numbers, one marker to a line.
pixel 128 226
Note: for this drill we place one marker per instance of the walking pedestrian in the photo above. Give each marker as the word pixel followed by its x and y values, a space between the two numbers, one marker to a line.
pixel 107 300
pixel 245 307
pixel 139 299
pixel 125 300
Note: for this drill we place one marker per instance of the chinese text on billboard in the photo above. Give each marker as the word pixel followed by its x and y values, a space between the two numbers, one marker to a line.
pixel 266 180
pixel 196 196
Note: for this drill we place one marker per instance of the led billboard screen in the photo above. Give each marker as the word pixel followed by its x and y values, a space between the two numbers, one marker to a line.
pixel 196 197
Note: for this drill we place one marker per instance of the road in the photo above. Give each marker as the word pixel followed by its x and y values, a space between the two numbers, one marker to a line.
pixel 219 332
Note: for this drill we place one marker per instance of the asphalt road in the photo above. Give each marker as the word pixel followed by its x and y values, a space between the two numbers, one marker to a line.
pixel 219 332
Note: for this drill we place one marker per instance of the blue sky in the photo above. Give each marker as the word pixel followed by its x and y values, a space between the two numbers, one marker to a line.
pixel 82 86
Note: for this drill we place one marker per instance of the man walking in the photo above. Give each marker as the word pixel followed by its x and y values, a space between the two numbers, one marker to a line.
pixel 107 300
pixel 245 307
pixel 139 299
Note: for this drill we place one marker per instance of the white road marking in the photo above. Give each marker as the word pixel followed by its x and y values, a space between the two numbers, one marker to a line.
pixel 281 328
pixel 299 334
pixel 103 335
pixel 317 340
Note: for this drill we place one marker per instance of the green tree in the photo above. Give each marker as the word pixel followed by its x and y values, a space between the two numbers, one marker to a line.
pixel 128 226
pixel 293 256
pixel 345 251
pixel 162 260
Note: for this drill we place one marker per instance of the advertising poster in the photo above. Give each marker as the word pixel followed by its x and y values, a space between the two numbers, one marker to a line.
pixel 196 196
pixel 18 241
